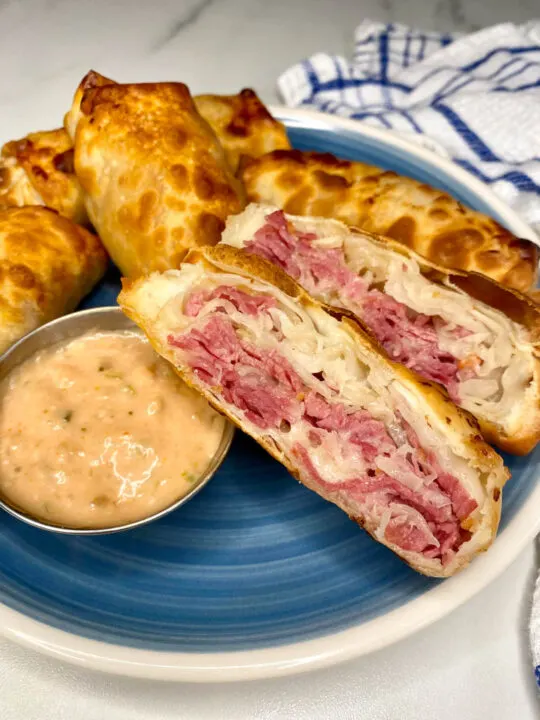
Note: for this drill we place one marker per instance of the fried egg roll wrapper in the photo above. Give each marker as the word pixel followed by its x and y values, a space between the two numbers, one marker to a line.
pixel 243 125
pixel 38 170
pixel 421 217
pixel 155 177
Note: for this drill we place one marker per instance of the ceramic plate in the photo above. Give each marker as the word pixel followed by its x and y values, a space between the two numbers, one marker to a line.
pixel 256 576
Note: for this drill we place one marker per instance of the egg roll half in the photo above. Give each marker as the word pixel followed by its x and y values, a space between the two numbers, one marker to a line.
pixel 477 338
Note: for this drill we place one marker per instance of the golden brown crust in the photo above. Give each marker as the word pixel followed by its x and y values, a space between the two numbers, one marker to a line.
pixel 534 295
pixel 253 265
pixel 47 265
pixel 38 170
pixel 155 177
pixel 243 125
pixel 92 79
pixel 421 217
pixel 459 427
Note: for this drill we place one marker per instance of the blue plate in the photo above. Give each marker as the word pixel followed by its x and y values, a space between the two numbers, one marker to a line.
pixel 255 561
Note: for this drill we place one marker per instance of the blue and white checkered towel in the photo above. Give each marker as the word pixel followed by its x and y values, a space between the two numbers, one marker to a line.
pixel 476 96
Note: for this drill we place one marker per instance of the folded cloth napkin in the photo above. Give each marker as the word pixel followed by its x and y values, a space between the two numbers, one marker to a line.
pixel 477 96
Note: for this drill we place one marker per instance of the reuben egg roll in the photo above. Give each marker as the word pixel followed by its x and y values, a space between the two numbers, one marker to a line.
pixel 47 265
pixel 243 124
pixel 155 177
pixel 38 170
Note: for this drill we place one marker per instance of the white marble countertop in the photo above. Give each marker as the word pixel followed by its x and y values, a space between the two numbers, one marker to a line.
pixel 473 664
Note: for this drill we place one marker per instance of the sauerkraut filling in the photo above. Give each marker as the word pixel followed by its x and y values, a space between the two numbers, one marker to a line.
pixel 295 380
pixel 434 330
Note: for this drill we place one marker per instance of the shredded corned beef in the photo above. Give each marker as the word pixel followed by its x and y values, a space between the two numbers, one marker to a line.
pixel 385 492
pixel 412 343
pixel 262 384
pixel 404 531
pixel 409 338
pixel 313 267
pixel 362 429
pixel 463 504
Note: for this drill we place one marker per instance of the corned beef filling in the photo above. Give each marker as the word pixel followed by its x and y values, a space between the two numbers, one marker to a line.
pixel 420 506
pixel 409 338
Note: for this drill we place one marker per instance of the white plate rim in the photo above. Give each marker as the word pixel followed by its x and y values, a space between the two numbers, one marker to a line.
pixel 330 649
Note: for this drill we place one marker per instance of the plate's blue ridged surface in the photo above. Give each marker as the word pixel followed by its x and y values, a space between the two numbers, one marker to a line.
pixel 253 560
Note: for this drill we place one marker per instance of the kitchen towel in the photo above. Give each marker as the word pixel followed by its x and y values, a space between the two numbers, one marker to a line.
pixel 474 98
pixel 477 96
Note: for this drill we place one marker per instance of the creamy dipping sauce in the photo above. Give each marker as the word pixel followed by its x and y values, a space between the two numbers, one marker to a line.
pixel 99 432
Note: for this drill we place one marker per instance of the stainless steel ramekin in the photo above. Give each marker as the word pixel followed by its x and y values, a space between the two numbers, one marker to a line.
pixel 67 328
